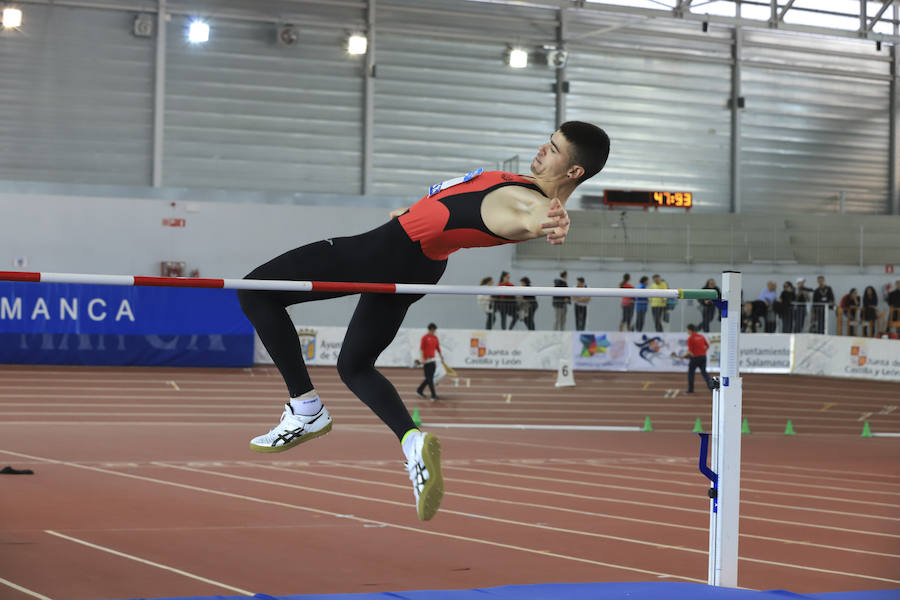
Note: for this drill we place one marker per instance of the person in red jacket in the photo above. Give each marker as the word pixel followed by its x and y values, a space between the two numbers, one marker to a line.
pixel 429 346
pixel 697 347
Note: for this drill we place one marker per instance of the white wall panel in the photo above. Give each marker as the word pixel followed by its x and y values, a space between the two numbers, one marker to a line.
pixel 76 97
pixel 662 95
pixel 445 100
pixel 808 136
pixel 244 112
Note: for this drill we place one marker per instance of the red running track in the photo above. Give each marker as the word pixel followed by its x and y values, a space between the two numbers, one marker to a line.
pixel 144 486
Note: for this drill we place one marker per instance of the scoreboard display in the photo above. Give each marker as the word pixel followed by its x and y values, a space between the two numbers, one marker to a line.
pixel 654 199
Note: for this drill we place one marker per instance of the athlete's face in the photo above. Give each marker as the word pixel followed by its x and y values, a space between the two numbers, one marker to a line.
pixel 553 158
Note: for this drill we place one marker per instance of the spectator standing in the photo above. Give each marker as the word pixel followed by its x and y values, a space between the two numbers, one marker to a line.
pixel 506 305
pixel 561 303
pixel 769 296
pixel 803 297
pixel 708 307
pixel 526 307
pixel 869 310
pixel 850 307
pixel 786 307
pixel 428 347
pixel 581 304
pixel 823 299
pixel 658 305
pixel 696 353
pixel 486 303
pixel 893 301
pixel 627 304
pixel 640 306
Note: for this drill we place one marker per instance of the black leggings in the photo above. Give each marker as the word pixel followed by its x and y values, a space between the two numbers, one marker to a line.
pixel 383 255
pixel 430 369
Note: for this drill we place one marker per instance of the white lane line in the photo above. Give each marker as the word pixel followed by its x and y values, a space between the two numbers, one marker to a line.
pixel 529 427
pixel 676 494
pixel 25 591
pixel 224 586
pixel 353 517
pixel 444 511
pixel 660 506
pixel 692 484
pixel 555 508
pixel 535 526
pixel 691 471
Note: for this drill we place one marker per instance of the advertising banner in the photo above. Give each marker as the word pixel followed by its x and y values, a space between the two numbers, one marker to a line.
pixel 600 351
pixel 758 352
pixel 865 358
pixel 55 323
pixel 585 351
pixel 474 349
pixel 654 351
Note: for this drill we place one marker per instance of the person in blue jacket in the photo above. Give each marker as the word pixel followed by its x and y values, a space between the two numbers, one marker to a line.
pixel 640 306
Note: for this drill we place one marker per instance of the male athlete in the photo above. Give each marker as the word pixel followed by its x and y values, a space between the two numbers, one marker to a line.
pixel 481 209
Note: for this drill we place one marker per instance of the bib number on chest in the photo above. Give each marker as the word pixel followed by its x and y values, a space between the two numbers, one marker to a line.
pixel 455 181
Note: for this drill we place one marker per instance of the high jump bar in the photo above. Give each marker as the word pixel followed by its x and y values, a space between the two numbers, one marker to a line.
pixel 352 287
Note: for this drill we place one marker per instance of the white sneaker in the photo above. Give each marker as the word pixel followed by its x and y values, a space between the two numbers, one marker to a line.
pixel 424 466
pixel 292 430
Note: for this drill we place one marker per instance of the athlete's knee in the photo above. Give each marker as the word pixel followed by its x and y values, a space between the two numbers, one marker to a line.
pixel 350 366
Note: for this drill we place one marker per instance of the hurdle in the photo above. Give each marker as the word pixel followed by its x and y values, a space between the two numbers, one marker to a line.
pixel 724 491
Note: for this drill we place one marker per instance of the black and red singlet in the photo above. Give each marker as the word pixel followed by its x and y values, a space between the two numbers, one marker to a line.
pixel 450 218
pixel 410 249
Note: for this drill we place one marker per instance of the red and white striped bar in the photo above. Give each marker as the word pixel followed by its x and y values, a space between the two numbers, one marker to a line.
pixel 348 287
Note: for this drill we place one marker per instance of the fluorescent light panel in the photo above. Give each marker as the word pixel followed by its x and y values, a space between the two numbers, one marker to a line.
pixel 357 44
pixel 12 17
pixel 518 58
pixel 198 32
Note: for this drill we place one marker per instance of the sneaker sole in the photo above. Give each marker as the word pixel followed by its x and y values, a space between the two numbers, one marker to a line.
pixel 433 492
pixel 292 443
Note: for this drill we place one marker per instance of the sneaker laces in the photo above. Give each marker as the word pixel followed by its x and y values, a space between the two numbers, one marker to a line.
pixel 275 431
pixel 418 473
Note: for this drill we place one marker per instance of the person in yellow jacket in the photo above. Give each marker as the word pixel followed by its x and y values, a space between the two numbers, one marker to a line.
pixel 658 305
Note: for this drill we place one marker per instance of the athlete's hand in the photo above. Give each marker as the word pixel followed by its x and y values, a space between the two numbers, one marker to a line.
pixel 558 225
pixel 398 212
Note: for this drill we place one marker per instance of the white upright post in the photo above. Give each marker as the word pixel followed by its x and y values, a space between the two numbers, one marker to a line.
pixel 726 443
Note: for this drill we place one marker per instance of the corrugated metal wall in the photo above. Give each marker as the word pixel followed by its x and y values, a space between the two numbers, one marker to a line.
pixel 661 92
pixel 807 135
pixel 445 100
pixel 76 91
pixel 245 112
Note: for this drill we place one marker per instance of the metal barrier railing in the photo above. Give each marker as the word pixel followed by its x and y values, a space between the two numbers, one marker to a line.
pixel 607 240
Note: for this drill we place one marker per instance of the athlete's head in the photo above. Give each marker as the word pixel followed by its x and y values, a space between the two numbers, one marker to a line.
pixel 576 151
pixel 588 147
pixel 432 327
pixel 692 328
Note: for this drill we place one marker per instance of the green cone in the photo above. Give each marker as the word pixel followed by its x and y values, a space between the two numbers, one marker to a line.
pixel 698 426
pixel 647 425
pixel 416 418
pixel 745 426
pixel 789 428
pixel 867 431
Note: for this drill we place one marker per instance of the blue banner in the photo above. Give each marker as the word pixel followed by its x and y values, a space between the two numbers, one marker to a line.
pixel 57 323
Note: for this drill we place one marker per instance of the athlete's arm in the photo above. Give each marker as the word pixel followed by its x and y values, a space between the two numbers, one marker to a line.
pixel 518 213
